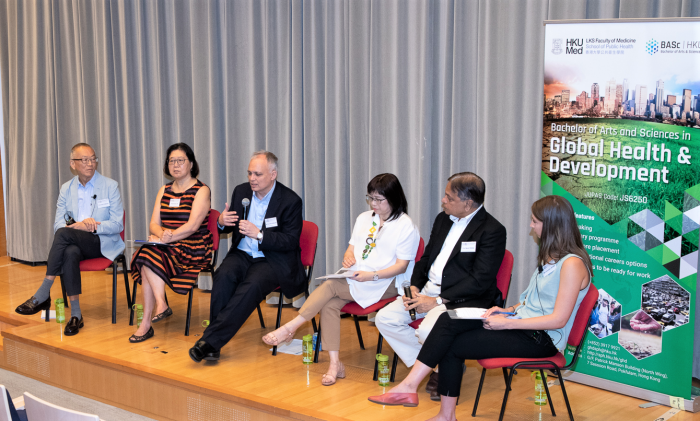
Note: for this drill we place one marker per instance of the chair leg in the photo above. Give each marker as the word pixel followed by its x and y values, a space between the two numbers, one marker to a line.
pixel 380 342
pixel 359 334
pixel 189 312
pixel 393 367
pixel 505 396
pixel 262 321
pixel 318 341
pixel 126 280
pixel 478 391
pixel 313 324
pixel 114 292
pixel 546 389
pixel 563 391
pixel 133 295
pixel 47 315
pixel 279 320
pixel 505 375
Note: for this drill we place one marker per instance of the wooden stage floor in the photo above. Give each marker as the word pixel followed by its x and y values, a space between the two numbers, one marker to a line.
pixel 159 380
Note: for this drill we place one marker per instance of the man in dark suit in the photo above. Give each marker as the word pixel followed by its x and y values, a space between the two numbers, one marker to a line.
pixel 458 268
pixel 265 254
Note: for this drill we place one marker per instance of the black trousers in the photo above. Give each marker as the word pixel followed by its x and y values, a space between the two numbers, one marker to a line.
pixel 69 247
pixel 240 284
pixel 450 342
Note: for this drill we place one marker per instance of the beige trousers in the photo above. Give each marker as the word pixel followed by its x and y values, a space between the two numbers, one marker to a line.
pixel 328 298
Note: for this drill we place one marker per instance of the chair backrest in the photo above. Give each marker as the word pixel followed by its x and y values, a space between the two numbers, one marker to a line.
pixel 4 405
pixel 307 242
pixel 38 409
pixel 504 274
pixel 421 247
pixel 582 315
pixel 213 227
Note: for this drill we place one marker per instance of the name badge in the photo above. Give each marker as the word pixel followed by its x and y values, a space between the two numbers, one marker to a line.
pixel 174 203
pixel 271 222
pixel 468 246
pixel 103 203
pixel 548 270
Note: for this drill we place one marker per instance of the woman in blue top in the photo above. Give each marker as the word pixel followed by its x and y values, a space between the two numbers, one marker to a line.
pixel 540 327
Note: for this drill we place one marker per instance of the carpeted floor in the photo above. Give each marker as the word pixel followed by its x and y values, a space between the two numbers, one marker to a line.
pixel 17 384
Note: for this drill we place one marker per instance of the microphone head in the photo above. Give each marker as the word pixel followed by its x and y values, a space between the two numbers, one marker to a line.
pixel 245 202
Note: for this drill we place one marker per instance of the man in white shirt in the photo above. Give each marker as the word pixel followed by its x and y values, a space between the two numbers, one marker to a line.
pixel 458 269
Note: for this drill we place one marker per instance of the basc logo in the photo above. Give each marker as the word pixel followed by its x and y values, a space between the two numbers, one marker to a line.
pixel 652 47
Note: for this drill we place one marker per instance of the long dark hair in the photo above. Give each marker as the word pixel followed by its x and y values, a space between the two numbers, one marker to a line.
pixel 388 185
pixel 560 233
pixel 184 147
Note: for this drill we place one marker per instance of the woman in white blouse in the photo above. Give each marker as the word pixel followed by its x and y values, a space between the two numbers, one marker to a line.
pixel 381 252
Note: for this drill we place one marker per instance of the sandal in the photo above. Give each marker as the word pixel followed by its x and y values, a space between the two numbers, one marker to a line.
pixel 136 339
pixel 340 374
pixel 158 317
pixel 271 338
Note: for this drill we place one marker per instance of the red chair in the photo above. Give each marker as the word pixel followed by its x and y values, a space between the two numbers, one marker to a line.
pixel 214 229
pixel 555 363
pixel 356 310
pixel 102 263
pixel 503 277
pixel 308 242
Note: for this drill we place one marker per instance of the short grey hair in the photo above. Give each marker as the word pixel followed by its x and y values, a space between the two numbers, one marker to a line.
pixel 271 158
pixel 468 186
pixel 81 145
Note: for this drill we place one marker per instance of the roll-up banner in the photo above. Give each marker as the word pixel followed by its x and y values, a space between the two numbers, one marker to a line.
pixel 621 141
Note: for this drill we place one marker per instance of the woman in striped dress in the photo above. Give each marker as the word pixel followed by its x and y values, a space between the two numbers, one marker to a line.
pixel 180 217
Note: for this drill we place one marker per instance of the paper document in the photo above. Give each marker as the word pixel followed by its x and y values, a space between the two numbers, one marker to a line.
pixel 473 313
pixel 341 273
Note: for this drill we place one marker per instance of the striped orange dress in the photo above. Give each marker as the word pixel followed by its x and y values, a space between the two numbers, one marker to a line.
pixel 179 265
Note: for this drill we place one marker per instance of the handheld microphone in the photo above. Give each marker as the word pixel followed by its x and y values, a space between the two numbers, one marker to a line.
pixel 245 202
pixel 407 291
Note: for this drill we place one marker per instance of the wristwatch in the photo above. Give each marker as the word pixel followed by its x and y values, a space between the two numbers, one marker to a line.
pixel 376 276
pixel 438 300
pixel 259 237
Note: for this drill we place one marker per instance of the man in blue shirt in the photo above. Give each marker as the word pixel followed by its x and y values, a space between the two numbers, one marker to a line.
pixel 88 223
pixel 265 219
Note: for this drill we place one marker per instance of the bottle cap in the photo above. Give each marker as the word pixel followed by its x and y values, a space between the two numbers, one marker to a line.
pixel 59 300
pixel 308 338
pixel 382 357
pixel 205 323
pixel 137 306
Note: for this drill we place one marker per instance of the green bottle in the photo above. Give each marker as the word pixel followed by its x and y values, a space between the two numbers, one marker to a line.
pixel 139 313
pixel 307 349
pixel 60 311
pixel 540 394
pixel 383 368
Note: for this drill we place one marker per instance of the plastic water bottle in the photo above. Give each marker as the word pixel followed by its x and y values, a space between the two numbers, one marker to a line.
pixel 383 368
pixel 139 313
pixel 60 311
pixel 307 349
pixel 540 394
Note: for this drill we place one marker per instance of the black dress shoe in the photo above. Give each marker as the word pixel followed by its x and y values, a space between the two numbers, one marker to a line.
pixel 73 327
pixel 432 384
pixel 202 350
pixel 33 306
pixel 158 317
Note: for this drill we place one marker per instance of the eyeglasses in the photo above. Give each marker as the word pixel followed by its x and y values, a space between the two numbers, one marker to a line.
pixel 86 161
pixel 371 199
pixel 177 161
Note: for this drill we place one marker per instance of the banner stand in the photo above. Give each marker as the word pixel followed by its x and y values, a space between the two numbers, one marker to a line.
pixel 692 405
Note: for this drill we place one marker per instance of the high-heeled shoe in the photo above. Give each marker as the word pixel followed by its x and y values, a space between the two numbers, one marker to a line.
pixel 273 340
pixel 340 374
